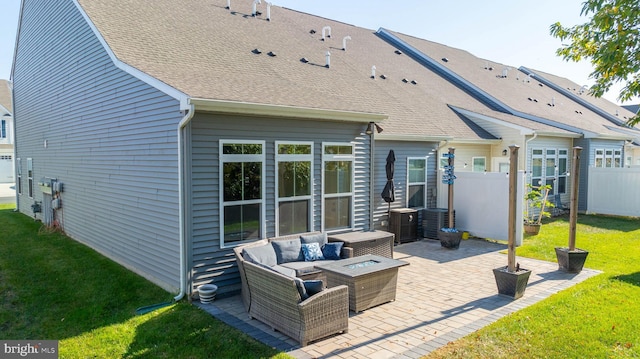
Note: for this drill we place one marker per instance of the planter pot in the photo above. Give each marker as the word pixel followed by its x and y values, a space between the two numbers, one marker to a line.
pixel 511 284
pixel 207 293
pixel 532 229
pixel 571 261
pixel 450 240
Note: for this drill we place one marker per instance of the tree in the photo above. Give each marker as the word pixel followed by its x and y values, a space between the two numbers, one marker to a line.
pixel 611 41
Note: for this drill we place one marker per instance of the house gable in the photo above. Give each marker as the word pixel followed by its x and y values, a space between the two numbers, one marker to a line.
pixel 109 137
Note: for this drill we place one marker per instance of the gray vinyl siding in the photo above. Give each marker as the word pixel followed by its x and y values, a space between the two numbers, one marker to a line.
pixel 210 262
pixel 586 160
pixel 402 151
pixel 111 139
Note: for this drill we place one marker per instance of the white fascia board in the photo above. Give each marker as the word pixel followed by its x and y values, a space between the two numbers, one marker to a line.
pixel 524 131
pixel 561 135
pixel 632 133
pixel 464 141
pixel 411 138
pixel 281 111
pixel 142 76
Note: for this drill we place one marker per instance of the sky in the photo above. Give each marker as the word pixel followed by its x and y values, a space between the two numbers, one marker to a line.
pixel 514 33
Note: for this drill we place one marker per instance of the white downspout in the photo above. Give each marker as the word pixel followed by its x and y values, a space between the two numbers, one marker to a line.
pixel 181 191
pixel 526 153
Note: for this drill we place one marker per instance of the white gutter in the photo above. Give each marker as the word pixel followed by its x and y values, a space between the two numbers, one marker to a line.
pixel 181 206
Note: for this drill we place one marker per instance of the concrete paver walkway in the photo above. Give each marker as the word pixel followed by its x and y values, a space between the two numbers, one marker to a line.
pixel 442 296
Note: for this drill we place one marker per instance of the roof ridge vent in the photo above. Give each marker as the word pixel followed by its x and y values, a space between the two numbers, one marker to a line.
pixel 582 89
pixel 254 11
pixel 269 11
pixel 344 42
pixel 326 28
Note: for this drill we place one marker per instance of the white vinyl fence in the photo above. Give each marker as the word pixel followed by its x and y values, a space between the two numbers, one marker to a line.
pixel 614 191
pixel 481 202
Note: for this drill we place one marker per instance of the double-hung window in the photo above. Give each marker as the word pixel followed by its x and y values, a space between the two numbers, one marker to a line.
pixel 242 176
pixel 550 170
pixel 3 129
pixel 19 174
pixel 338 192
pixel 417 183
pixel 30 177
pixel 479 164
pixel 294 168
pixel 536 167
pixel 563 169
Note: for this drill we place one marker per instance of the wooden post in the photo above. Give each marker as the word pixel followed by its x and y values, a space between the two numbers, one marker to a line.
pixel 573 205
pixel 450 205
pixel 513 200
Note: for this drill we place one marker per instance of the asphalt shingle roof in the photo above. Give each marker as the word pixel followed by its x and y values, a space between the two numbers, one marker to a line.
pixel 517 90
pixel 206 51
pixel 5 95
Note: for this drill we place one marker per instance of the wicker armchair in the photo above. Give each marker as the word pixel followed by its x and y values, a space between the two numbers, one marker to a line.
pixel 246 293
pixel 275 301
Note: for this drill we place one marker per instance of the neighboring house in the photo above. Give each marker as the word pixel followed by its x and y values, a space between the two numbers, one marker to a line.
pixel 6 134
pixel 596 124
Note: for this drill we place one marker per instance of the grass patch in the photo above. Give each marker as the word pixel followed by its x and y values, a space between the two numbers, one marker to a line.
pixel 598 318
pixel 52 287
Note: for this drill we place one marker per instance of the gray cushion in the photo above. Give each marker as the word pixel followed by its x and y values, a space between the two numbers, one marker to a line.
pixel 302 268
pixel 284 270
pixel 320 238
pixel 301 289
pixel 287 251
pixel 261 254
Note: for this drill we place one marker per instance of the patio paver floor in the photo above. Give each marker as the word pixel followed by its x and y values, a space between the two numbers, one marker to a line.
pixel 443 295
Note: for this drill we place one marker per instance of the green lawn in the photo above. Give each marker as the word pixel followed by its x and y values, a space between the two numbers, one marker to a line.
pixel 52 287
pixel 598 318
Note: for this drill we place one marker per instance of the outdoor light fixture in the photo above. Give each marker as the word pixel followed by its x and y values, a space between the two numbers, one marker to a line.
pixel 370 127
pixel 504 152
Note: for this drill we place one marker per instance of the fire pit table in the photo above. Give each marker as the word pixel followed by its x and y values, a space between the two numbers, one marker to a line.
pixel 371 279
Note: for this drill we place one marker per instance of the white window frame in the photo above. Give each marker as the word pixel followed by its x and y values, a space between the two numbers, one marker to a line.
pixel 607 157
pixel 549 178
pixel 224 158
pixel 473 163
pixel 424 184
pixel 30 177
pixel 3 128
pixel 293 158
pixel 334 158
pixel 617 158
pixel 19 175
pixel 561 175
pixel 598 155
